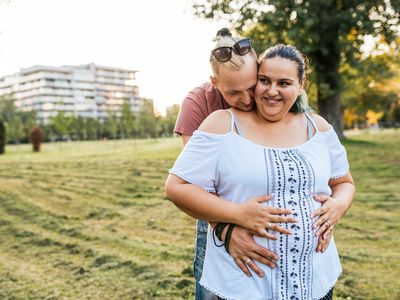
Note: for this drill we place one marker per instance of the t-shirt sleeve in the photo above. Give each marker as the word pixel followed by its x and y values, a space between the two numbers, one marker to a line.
pixel 198 161
pixel 190 116
pixel 337 155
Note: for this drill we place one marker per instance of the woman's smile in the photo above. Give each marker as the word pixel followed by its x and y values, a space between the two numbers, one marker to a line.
pixel 272 101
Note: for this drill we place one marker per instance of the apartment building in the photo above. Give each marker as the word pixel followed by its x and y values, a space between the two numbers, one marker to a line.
pixel 87 90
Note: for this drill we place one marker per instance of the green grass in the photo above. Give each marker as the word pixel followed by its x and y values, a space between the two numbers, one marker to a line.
pixel 88 220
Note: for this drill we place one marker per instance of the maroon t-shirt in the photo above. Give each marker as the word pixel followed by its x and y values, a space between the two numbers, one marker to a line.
pixel 197 105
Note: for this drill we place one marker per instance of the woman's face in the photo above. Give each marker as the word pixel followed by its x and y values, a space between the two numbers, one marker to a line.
pixel 277 87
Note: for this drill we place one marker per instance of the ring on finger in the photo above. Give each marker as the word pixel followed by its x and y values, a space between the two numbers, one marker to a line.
pixel 327 224
pixel 269 225
pixel 247 261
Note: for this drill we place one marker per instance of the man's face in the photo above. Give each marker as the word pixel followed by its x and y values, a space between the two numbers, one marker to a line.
pixel 237 87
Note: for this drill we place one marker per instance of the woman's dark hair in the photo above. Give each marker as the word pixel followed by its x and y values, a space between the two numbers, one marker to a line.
pixel 291 53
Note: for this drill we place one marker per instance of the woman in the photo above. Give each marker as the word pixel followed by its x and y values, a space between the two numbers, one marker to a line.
pixel 278 150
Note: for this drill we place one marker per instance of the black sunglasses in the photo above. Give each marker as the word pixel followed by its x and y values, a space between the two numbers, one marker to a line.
pixel 224 54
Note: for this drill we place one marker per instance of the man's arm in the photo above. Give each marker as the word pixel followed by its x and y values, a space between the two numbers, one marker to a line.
pixel 185 139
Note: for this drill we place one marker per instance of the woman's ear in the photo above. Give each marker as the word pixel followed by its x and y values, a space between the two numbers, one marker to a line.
pixel 304 83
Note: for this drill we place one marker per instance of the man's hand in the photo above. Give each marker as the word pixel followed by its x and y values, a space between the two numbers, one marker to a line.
pixel 324 240
pixel 244 249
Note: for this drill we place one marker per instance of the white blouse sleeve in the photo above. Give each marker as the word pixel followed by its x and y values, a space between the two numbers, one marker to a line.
pixel 337 155
pixel 198 161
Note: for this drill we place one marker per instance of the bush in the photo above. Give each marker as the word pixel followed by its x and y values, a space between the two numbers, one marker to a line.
pixel 36 138
pixel 2 137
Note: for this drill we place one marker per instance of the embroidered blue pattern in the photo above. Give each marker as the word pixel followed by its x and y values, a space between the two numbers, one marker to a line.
pixel 291 178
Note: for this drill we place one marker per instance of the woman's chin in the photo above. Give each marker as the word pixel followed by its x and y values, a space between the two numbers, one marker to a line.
pixel 271 114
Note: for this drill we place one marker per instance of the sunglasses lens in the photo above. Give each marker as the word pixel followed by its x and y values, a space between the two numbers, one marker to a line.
pixel 222 54
pixel 242 47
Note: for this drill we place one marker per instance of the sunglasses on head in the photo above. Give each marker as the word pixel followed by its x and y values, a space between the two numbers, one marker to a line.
pixel 224 54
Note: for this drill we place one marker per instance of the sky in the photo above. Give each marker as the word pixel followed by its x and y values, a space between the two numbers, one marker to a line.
pixel 160 39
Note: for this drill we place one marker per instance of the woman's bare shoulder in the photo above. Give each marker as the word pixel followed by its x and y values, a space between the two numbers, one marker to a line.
pixel 218 122
pixel 321 123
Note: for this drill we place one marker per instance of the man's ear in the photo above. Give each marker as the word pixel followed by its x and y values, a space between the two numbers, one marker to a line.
pixel 213 81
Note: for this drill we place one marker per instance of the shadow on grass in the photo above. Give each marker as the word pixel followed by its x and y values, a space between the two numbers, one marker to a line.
pixel 354 142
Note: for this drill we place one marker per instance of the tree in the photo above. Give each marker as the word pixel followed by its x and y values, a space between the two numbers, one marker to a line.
pixel 168 122
pixel 18 122
pixel 126 122
pixel 329 32
pixel 147 121
pixel 58 125
pixel 363 90
pixel 2 136
pixel 111 126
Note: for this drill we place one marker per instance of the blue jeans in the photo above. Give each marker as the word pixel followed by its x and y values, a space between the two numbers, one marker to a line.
pixel 201 293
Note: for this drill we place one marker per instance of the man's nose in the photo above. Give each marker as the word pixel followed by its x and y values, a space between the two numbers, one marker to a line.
pixel 247 98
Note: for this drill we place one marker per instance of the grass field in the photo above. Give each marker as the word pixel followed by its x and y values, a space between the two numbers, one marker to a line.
pixel 88 220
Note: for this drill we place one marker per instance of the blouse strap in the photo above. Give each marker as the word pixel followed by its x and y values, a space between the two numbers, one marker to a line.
pixel 232 120
pixel 310 125
pixel 234 123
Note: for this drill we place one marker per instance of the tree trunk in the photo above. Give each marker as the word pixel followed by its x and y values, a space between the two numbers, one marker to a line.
pixel 327 59
pixel 330 108
pixel 328 83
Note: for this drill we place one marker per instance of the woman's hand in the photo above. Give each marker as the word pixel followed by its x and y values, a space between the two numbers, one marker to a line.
pixel 328 216
pixel 259 218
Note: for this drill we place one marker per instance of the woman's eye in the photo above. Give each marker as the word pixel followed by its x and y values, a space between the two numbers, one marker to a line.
pixel 284 83
pixel 264 81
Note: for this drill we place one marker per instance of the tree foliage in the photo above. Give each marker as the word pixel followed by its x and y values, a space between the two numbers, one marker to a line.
pixel 18 123
pixel 64 126
pixel 363 90
pixel 329 32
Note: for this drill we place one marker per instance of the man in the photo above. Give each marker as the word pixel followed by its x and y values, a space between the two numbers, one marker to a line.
pixel 234 76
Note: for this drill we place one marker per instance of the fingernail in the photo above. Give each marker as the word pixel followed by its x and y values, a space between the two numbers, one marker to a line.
pixel 261 274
